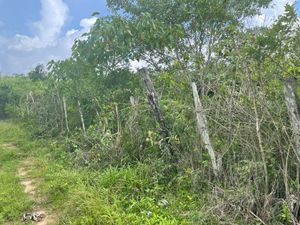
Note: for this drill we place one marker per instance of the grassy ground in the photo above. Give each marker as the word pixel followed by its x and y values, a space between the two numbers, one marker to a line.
pixel 13 201
pixel 75 195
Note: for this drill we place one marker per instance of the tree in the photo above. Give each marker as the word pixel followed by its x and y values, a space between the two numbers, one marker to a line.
pixel 182 30
pixel 5 98
pixel 38 73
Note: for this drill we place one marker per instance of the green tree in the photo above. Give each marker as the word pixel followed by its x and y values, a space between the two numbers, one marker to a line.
pixel 38 73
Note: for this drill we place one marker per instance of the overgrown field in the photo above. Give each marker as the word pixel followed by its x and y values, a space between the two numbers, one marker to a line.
pixel 207 132
pixel 124 195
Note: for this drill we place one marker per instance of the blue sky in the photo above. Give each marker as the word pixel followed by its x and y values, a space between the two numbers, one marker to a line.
pixel 17 15
pixel 36 31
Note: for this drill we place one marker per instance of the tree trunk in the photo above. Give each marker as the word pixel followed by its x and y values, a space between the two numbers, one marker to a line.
pixel 203 131
pixel 118 118
pixel 153 101
pixel 292 107
pixel 31 96
pixel 61 111
pixel 66 113
pixel 56 113
pixel 81 118
pixel 117 142
pixel 27 105
pixel 130 124
pixel 132 101
pixel 262 153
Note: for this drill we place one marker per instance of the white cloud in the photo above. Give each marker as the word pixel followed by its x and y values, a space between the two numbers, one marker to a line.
pixel 87 23
pixel 53 17
pixel 71 35
pixel 31 51
pixel 71 32
pixel 22 52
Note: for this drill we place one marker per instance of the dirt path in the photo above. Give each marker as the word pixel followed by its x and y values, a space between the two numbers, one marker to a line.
pixel 44 217
pixel 40 214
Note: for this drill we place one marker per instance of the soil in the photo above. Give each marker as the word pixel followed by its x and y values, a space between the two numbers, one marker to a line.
pixel 29 185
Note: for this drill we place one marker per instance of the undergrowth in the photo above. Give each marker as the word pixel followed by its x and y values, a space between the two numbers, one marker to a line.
pixel 126 195
pixel 132 194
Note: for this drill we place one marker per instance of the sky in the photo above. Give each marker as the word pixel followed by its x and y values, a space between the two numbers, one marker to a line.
pixel 37 31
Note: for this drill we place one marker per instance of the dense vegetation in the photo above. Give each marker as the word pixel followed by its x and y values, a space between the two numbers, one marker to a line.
pixel 212 136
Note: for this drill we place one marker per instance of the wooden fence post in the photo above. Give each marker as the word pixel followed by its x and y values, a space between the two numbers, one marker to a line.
pixel 203 131
pixel 293 111
pixel 153 101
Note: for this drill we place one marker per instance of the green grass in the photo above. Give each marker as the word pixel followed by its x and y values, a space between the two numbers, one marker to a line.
pixel 127 195
pixel 13 201
pixel 77 195
pixel 113 196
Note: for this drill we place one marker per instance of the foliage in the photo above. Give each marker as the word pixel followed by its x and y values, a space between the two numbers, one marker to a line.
pixel 38 73
pixel 108 162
